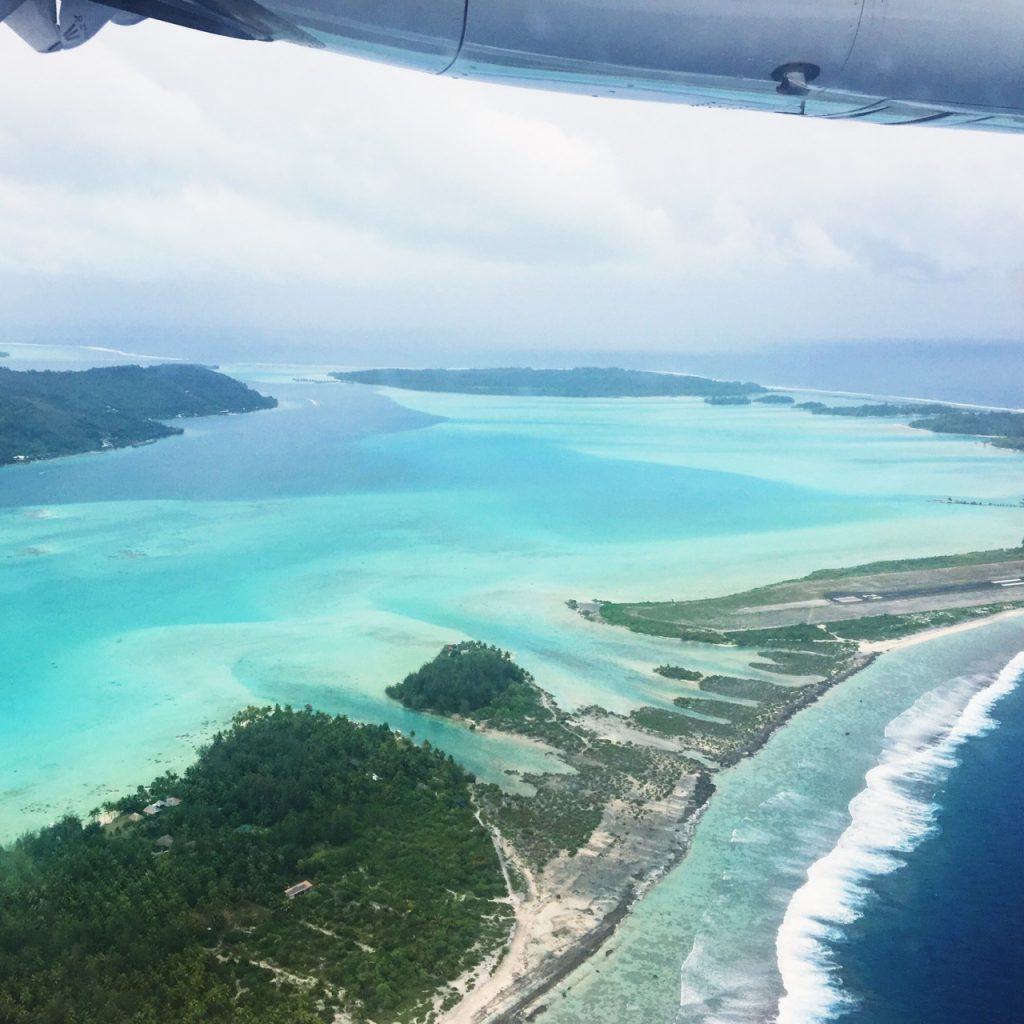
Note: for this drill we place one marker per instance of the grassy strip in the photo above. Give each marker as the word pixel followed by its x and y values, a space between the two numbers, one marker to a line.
pixel 734 686
pixel 782 636
pixel 801 663
pixel 917 564
pixel 702 620
pixel 625 615
pixel 895 627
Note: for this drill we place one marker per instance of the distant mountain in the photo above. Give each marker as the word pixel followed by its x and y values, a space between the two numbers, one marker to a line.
pixel 582 382
pixel 47 413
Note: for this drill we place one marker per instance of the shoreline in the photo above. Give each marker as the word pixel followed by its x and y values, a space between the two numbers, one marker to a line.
pixel 504 995
pixel 883 646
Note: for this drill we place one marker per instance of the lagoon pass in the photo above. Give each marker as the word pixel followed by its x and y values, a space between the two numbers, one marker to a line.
pixel 319 551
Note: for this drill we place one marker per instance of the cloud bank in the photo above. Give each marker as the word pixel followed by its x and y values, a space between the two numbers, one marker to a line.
pixel 160 179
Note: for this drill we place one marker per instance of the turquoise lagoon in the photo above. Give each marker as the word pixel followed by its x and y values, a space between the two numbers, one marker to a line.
pixel 848 789
pixel 319 551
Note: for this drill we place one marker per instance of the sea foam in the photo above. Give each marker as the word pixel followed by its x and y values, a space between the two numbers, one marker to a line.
pixel 889 817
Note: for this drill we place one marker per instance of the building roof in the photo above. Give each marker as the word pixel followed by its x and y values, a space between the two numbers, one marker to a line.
pixel 297 889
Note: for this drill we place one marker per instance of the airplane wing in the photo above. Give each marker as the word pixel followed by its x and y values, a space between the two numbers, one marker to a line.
pixel 926 62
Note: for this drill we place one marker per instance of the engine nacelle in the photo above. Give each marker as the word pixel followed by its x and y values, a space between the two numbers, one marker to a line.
pixel 938 62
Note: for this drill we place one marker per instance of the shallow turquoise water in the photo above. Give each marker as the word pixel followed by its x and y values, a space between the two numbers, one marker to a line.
pixel 318 552
pixel 703 945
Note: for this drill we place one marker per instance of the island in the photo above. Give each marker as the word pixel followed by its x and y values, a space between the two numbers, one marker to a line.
pixel 308 869
pixel 305 869
pixel 727 400
pixel 45 414
pixel 1000 427
pixel 586 844
pixel 581 382
pixel 774 398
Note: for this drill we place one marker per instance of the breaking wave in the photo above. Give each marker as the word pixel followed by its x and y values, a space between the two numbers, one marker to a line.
pixel 889 818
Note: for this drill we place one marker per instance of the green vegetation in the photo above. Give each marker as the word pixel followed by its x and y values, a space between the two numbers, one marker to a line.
pixel 563 813
pixel 482 682
pixel 738 728
pixel 797 635
pixel 1004 428
pixel 734 715
pixel 677 672
pixel 796 613
pixel 743 689
pixel 46 414
pixel 727 400
pixel 775 399
pixel 1014 443
pixel 796 663
pixel 464 678
pixel 703 735
pixel 581 382
pixel 920 564
pixel 893 627
pixel 1008 426
pixel 877 409
pixel 181 916
pixel 633 617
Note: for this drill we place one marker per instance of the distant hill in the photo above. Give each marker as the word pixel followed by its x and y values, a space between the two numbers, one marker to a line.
pixel 48 413
pixel 582 382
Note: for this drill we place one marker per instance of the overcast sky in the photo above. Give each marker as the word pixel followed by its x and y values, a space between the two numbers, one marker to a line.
pixel 159 182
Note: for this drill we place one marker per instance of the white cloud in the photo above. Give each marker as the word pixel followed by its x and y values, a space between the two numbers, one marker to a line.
pixel 193 178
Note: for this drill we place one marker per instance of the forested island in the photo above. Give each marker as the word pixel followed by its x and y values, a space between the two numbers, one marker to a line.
pixel 727 400
pixel 1002 428
pixel 45 414
pixel 465 678
pixel 581 382
pixel 304 866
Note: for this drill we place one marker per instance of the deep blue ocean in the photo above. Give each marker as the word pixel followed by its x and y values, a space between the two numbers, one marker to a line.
pixel 941 938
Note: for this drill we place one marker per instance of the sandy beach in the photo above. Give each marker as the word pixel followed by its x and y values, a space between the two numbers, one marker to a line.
pixel 573 906
pixel 881 646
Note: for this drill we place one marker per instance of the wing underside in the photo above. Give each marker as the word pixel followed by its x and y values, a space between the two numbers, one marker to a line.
pixel 858 60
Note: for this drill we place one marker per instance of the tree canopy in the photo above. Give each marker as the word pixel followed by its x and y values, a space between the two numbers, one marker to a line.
pixel 463 678
pixel 181 916
pixel 48 413
pixel 581 382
